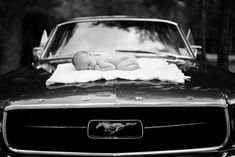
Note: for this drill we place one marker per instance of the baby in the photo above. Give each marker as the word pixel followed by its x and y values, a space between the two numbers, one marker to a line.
pixel 83 60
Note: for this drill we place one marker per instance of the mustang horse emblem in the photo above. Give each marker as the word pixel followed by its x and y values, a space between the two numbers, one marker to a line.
pixel 112 128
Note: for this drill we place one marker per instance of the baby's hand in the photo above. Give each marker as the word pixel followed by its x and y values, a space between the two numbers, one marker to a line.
pixel 113 67
pixel 97 67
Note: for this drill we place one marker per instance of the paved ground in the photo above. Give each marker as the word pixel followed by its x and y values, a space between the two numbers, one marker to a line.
pixel 212 58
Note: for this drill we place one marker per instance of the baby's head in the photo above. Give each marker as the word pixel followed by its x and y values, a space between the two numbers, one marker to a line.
pixel 81 60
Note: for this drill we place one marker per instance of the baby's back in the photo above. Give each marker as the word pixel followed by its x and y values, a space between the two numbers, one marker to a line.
pixel 115 59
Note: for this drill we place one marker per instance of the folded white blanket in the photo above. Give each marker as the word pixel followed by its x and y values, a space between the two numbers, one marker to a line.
pixel 150 69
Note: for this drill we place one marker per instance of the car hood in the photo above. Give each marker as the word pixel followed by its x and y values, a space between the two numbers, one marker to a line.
pixel 30 89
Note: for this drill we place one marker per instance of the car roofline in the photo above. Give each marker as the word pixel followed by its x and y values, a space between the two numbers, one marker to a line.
pixel 119 17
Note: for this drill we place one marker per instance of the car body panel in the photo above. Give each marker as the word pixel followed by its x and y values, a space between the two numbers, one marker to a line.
pixel 114 92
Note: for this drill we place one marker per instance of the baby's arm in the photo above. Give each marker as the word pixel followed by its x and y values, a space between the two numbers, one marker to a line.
pixel 104 66
pixel 129 63
pixel 109 68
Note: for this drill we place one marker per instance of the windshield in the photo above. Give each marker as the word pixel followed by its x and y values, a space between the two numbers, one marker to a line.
pixel 103 37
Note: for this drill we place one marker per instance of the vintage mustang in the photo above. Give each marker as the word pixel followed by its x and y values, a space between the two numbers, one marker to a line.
pixel 176 107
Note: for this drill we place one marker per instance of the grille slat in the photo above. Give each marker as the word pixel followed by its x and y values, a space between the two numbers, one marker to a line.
pixel 56 127
pixel 165 128
pixel 175 125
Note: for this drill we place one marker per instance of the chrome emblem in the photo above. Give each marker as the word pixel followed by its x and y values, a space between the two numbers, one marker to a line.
pixel 115 129
pixel 112 128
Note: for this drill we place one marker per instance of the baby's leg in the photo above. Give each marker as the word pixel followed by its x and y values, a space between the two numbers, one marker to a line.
pixel 128 64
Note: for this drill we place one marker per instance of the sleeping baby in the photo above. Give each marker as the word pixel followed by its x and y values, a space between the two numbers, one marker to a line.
pixel 83 60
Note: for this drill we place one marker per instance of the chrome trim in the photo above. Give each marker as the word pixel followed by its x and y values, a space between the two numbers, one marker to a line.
pixel 196 150
pixel 31 152
pixel 225 155
pixel 231 101
pixel 48 43
pixel 99 17
pixel 86 99
pixel 132 104
pixel 138 98
pixel 175 125
pixel 55 127
pixel 118 18
pixel 108 120
pixel 186 42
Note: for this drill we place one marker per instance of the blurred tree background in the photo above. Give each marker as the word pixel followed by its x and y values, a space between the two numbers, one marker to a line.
pixel 22 23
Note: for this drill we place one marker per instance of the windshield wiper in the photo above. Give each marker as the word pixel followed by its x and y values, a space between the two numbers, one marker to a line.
pixel 159 54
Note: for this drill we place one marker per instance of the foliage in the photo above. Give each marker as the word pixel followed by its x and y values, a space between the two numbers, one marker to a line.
pixel 23 21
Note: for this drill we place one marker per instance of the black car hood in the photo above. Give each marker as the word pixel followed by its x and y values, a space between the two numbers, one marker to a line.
pixel 30 89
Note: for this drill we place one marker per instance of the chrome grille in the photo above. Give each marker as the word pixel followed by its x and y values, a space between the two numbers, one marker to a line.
pixel 164 129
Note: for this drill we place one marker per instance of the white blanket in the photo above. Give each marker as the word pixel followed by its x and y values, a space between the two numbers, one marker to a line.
pixel 150 69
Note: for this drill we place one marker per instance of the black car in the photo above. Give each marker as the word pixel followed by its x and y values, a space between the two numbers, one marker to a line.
pixel 182 108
